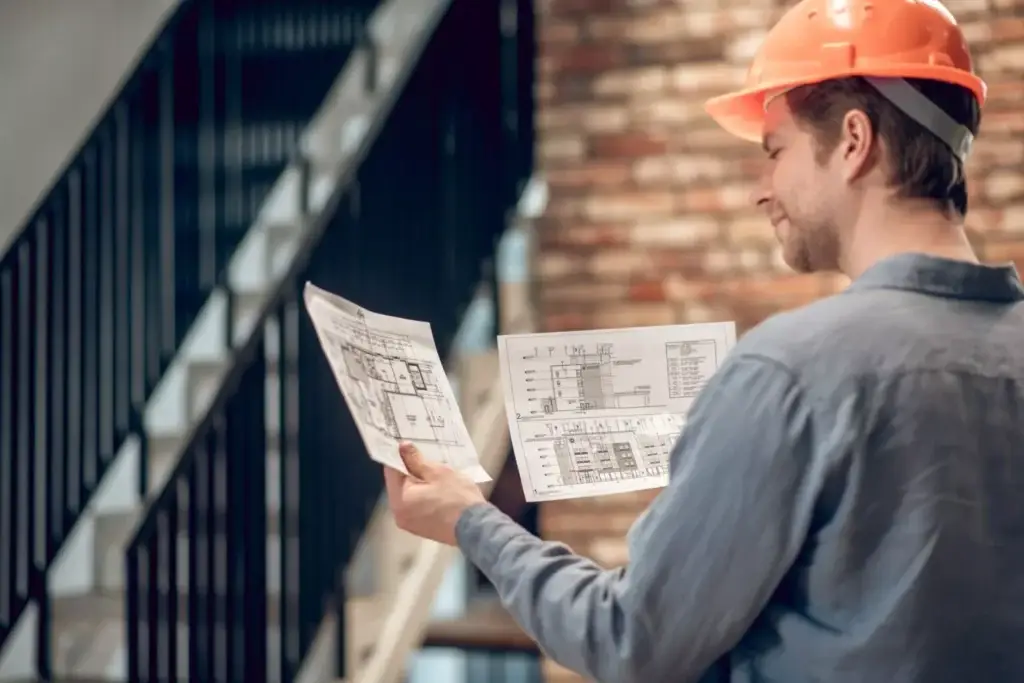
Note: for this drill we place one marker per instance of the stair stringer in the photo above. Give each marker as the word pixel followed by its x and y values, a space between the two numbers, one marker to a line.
pixel 86 581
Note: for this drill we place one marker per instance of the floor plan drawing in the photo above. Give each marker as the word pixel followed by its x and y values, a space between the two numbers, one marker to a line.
pixel 391 376
pixel 598 411
pixel 587 377
pixel 394 392
pixel 588 451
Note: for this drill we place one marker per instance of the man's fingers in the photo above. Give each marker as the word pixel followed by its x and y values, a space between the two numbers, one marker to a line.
pixel 414 461
pixel 393 482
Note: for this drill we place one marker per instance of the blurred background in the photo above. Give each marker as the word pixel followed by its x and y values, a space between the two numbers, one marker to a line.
pixel 183 494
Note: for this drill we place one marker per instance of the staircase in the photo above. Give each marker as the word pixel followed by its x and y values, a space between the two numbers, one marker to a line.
pixel 183 494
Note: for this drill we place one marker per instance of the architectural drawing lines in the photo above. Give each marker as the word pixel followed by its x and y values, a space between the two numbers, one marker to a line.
pixel 394 385
pixel 599 411
pixel 395 393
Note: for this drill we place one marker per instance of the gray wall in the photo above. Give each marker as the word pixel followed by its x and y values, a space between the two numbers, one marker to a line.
pixel 61 62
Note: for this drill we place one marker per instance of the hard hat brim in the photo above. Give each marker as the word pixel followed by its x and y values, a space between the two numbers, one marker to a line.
pixel 741 113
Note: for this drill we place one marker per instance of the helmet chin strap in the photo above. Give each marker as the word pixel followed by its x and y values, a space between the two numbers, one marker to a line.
pixel 914 104
pixel 911 102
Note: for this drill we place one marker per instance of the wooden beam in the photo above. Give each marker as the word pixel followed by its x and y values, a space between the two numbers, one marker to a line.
pixel 486 626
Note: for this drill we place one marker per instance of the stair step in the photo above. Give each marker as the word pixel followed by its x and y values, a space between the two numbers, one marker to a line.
pixel 114 530
pixel 486 626
pixel 99 606
pixel 363 620
pixel 89 630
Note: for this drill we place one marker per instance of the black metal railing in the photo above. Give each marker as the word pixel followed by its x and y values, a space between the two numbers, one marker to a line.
pixel 410 236
pixel 110 271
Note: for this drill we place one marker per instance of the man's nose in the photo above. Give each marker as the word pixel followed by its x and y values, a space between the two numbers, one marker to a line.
pixel 761 193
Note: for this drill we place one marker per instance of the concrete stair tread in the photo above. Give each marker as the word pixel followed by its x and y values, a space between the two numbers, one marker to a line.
pixel 116 528
pixel 97 607
pixel 363 619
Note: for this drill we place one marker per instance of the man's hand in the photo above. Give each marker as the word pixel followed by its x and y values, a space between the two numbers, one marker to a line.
pixel 430 501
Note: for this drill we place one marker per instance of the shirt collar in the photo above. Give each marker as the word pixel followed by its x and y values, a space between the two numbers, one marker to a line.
pixel 943 277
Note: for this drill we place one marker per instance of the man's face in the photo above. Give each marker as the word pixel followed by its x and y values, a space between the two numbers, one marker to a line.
pixel 798 193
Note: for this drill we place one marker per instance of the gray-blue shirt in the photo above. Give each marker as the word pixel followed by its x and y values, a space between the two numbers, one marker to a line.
pixel 845 504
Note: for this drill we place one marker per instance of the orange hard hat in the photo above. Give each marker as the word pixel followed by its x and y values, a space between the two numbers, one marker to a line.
pixel 883 40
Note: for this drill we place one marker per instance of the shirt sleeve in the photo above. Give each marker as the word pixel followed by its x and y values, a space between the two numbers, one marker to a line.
pixel 705 557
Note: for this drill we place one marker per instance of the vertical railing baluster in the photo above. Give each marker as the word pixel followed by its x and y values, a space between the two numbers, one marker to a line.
pixel 166 152
pixel 203 547
pixel 207 151
pixel 8 499
pixel 172 583
pixel 212 549
pixel 191 496
pixel 288 466
pixel 24 418
pixel 90 331
pixel 138 311
pixel 43 475
pixel 132 611
pixel 153 622
pixel 75 369
pixel 231 591
pixel 60 465
pixel 122 318
pixel 167 598
pixel 251 523
pixel 108 298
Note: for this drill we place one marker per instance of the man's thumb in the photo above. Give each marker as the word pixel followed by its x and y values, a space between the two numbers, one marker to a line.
pixel 414 461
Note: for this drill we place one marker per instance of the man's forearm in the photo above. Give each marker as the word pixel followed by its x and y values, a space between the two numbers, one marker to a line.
pixel 563 601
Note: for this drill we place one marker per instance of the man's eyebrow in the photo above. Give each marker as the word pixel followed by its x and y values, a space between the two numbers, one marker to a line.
pixel 766 142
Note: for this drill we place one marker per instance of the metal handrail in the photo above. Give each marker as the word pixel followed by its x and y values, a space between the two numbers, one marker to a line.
pixel 409 233
pixel 112 268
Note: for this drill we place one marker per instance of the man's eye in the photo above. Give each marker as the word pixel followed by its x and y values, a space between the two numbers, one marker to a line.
pixel 774 153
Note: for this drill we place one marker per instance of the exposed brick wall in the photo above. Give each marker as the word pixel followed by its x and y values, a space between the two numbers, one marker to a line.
pixel 649 221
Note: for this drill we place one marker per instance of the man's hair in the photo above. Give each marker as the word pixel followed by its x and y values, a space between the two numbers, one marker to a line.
pixel 921 165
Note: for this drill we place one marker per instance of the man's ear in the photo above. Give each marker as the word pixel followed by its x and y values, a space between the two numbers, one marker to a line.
pixel 857 144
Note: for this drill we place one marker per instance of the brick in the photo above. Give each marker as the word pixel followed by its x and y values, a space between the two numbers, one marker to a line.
pixel 591 176
pixel 562 148
pixel 682 232
pixel 565 321
pixel 551 33
pixel 557 120
pixel 578 294
pixel 670 110
pixel 635 205
pixel 1004 185
pixel 581 520
pixel 627 145
pixel 574 235
pixel 634 314
pixel 681 169
pixel 581 58
pixel 752 230
pixel 1013 219
pixel 707 78
pixel 632 82
pixel 647 290
pixel 1003 252
pixel 1006 29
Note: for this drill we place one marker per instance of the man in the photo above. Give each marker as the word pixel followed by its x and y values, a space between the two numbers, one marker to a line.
pixel 846 502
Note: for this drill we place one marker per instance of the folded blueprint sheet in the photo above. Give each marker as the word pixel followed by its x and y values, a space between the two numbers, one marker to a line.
pixel 393 382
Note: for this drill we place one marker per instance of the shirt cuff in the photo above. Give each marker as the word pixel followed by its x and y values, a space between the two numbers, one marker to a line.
pixel 483 531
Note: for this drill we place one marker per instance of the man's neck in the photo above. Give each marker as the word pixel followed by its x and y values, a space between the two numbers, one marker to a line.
pixel 899 229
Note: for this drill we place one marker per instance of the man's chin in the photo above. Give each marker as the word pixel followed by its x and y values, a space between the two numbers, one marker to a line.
pixel 797 261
